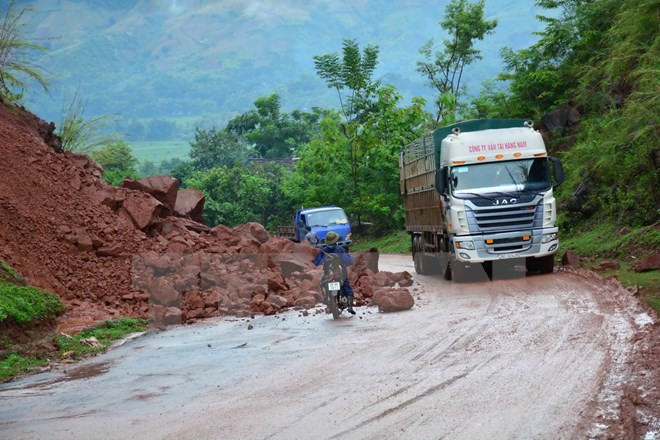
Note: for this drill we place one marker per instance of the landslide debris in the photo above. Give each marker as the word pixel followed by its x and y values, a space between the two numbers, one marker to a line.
pixel 141 250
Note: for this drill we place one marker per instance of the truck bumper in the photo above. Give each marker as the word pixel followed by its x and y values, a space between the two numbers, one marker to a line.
pixel 506 245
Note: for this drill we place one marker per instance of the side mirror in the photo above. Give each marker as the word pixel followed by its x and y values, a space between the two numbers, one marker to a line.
pixel 441 180
pixel 557 170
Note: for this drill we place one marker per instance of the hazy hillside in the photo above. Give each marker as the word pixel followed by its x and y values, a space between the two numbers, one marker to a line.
pixel 199 62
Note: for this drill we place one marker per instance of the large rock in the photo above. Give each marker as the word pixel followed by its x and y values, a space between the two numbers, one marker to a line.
pixel 190 204
pixel 366 260
pixel 649 263
pixel 395 300
pixel 557 121
pixel 162 188
pixel 570 258
pixel 142 209
pixel 607 265
pixel 256 230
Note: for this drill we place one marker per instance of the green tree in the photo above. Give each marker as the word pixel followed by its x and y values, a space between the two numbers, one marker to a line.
pixel 181 170
pixel 542 76
pixel 215 148
pixel 234 195
pixel 352 78
pixel 118 162
pixel 15 51
pixel 323 173
pixel 275 134
pixel 464 23
pixel 148 169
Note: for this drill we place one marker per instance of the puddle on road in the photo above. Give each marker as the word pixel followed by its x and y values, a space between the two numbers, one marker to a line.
pixel 87 371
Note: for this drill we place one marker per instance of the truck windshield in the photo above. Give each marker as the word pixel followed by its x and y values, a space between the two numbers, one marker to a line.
pixel 516 175
pixel 326 217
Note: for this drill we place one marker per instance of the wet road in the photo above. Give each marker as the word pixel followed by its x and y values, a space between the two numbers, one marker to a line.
pixel 533 357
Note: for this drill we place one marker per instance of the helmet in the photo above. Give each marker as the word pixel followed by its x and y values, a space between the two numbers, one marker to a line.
pixel 331 238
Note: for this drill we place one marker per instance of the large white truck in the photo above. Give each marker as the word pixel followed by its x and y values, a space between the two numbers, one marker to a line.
pixel 479 192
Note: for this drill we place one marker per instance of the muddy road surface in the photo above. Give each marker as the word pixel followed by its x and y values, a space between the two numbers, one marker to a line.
pixel 544 356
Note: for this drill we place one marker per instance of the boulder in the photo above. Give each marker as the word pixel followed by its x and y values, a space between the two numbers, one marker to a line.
pixel 366 260
pixel 163 315
pixel 278 300
pixel 143 210
pixel 162 188
pixel 650 263
pixel 190 204
pixel 607 265
pixel 570 258
pixel 396 300
pixel 306 301
pixel 162 292
pixel 557 121
pixel 256 230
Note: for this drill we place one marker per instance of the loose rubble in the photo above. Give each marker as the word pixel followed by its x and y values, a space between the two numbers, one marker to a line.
pixel 142 250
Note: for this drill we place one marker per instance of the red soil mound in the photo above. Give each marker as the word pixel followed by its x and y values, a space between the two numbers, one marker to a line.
pixel 111 252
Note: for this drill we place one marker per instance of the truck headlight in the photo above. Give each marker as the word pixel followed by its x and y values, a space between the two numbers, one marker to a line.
pixel 465 245
pixel 349 236
pixel 549 237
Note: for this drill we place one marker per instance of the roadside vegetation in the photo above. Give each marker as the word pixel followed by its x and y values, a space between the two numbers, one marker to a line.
pixel 22 304
pixel 98 338
pixel 397 242
pixel 28 340
pixel 603 242
pixel 17 70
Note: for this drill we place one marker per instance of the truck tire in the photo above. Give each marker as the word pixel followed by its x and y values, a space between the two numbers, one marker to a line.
pixel 547 264
pixel 422 262
pixel 457 271
pixel 418 255
pixel 544 264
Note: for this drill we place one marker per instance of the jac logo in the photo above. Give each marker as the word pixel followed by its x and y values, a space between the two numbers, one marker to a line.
pixel 499 202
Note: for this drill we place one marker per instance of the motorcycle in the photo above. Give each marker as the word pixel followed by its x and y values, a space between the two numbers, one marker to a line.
pixel 332 283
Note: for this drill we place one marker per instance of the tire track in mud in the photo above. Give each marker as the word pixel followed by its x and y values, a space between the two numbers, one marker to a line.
pixel 428 392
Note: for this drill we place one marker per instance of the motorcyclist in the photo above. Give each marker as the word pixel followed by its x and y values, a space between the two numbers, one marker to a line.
pixel 345 260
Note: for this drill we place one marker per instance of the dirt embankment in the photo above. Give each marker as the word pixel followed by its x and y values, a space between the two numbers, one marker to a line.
pixel 142 250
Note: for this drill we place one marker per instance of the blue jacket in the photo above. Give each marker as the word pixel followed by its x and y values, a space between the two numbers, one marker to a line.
pixel 346 259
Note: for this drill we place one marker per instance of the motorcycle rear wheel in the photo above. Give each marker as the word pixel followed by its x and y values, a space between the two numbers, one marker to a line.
pixel 332 305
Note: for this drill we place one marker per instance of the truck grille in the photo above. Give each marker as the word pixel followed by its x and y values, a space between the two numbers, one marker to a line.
pixel 500 219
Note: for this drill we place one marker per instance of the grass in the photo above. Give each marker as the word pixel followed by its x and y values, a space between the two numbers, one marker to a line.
pixel 604 241
pixel 157 151
pixel 397 242
pixel 14 365
pixel 105 333
pixel 20 361
pixel 24 305
pixel 27 324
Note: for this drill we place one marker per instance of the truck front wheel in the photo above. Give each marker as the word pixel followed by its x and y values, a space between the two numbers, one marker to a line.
pixel 547 263
pixel 544 264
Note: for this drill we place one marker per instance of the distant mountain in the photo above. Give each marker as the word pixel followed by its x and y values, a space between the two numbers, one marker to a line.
pixel 201 62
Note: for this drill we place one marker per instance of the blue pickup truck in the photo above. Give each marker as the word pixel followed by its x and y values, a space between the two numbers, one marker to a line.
pixel 322 220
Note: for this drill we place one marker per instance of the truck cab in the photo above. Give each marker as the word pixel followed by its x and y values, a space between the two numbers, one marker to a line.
pixel 323 220
pixel 478 192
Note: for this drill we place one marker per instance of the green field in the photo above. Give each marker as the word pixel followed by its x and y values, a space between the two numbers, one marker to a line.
pixel 157 151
